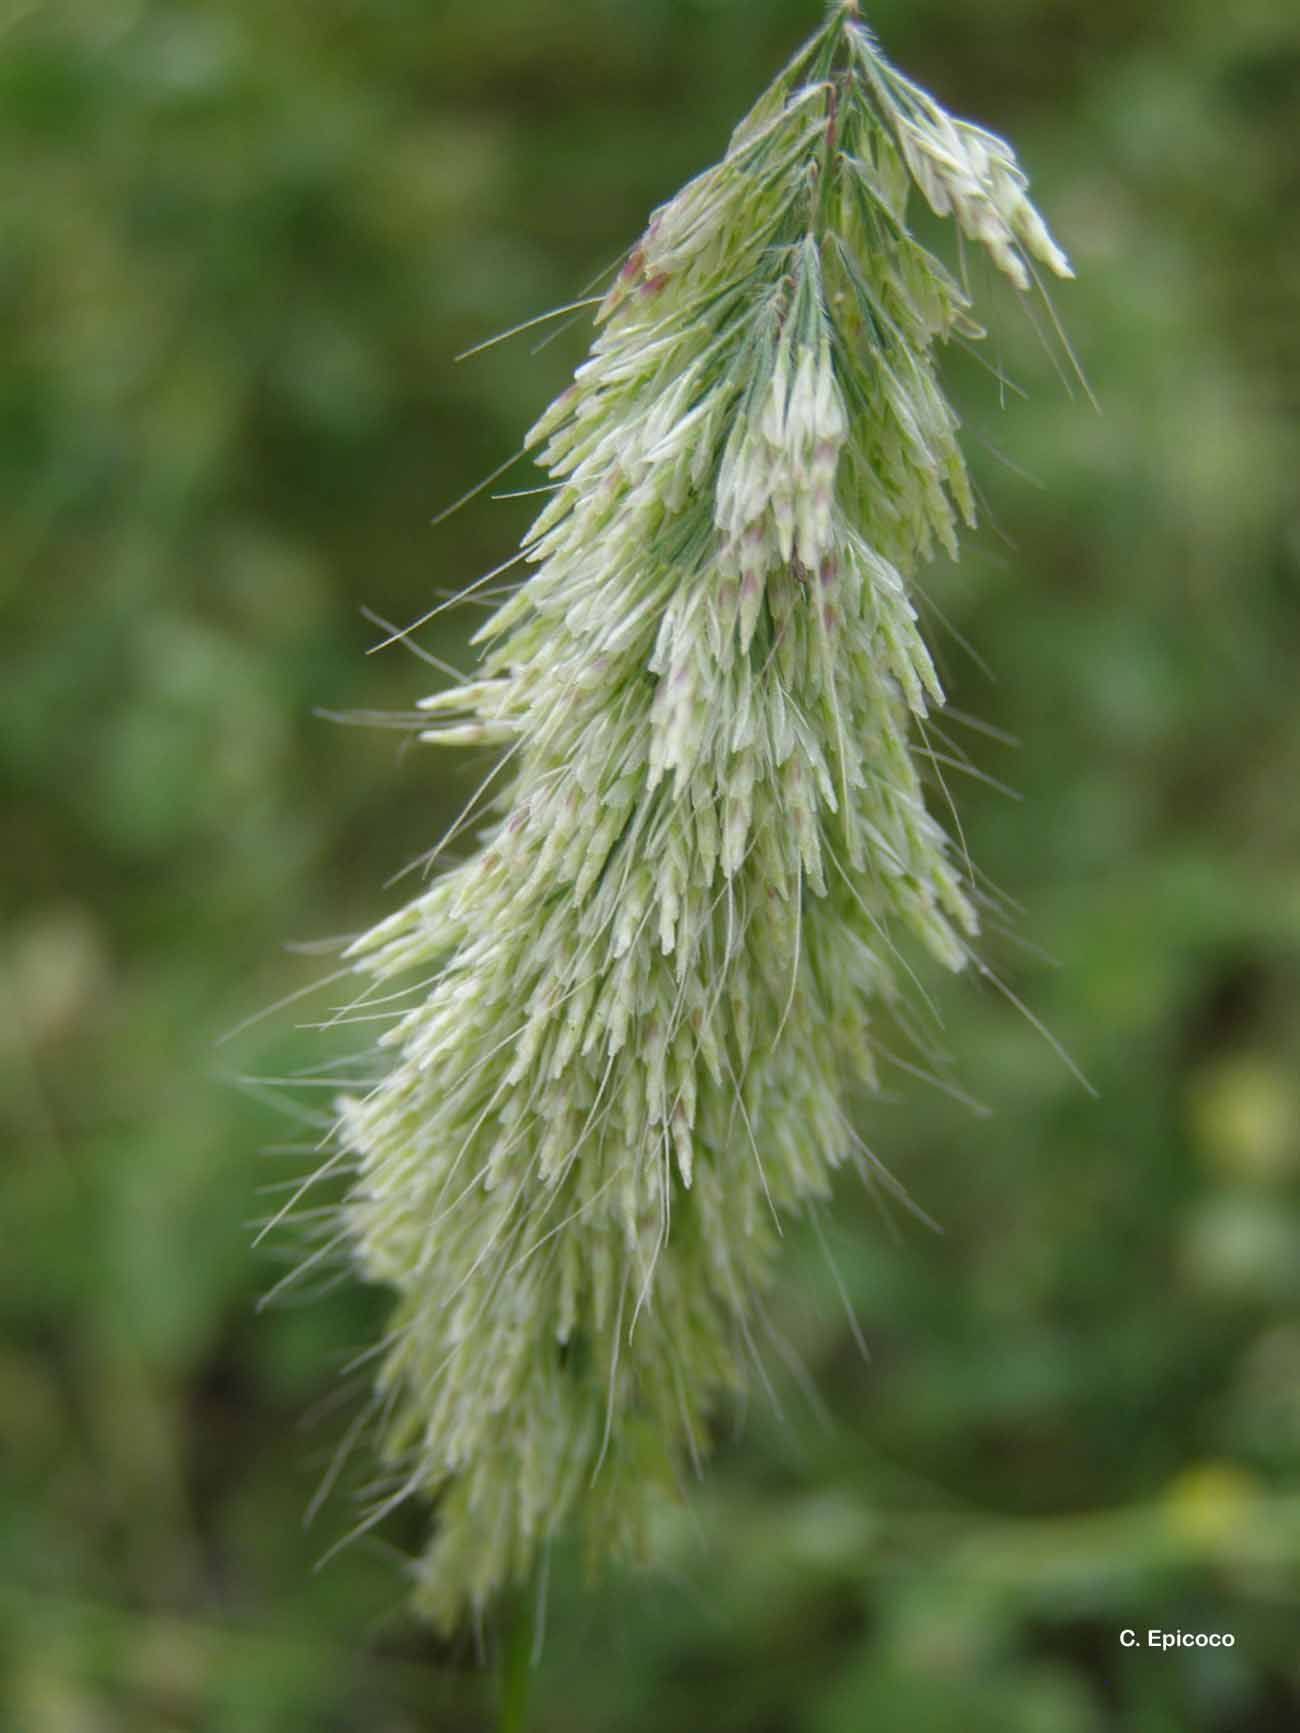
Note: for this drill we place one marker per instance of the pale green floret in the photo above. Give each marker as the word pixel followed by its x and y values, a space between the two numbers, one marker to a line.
pixel 650 989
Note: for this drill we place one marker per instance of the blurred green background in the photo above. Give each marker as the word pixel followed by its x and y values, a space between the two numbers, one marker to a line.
pixel 241 244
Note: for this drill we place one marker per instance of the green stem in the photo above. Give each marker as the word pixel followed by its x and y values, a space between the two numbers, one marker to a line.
pixel 516 1660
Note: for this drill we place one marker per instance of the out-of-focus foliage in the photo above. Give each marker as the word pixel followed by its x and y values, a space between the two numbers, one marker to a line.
pixel 241 244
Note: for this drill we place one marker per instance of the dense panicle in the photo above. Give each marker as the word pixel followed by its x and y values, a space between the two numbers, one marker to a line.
pixel 650 988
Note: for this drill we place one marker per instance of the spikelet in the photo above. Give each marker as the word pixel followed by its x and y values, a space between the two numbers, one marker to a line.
pixel 652 985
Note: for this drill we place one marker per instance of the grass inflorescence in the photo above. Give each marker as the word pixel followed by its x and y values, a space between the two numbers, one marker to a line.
pixel 646 996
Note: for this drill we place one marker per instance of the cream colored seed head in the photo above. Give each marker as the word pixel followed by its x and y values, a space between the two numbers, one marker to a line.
pixel 643 1000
